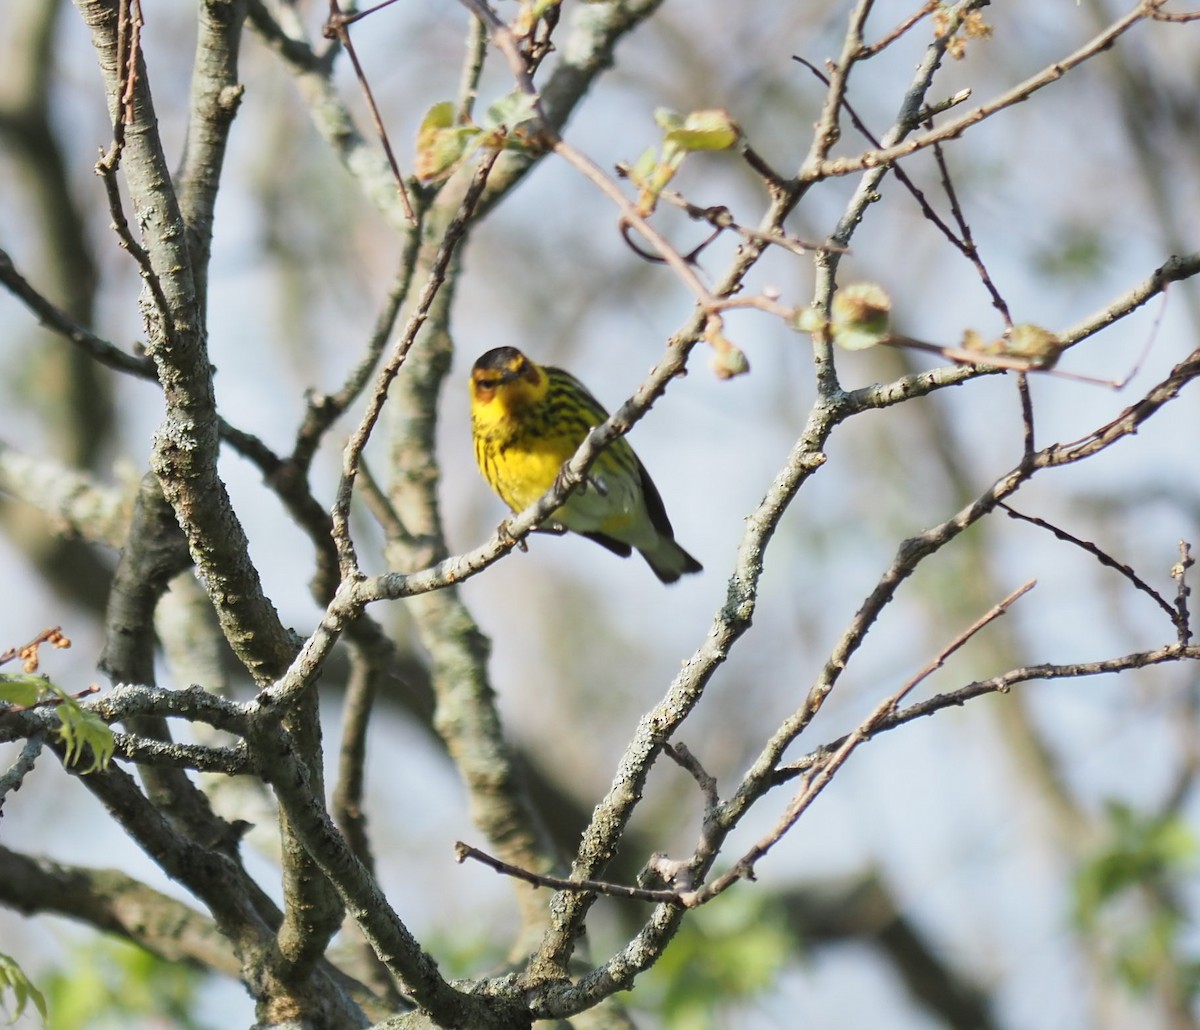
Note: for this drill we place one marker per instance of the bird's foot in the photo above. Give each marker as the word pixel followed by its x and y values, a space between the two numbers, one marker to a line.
pixel 508 540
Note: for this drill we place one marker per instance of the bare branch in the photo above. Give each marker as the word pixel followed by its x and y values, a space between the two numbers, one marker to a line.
pixel 337 27
pixel 1101 556
pixel 819 778
pixel 614 890
pixel 1175 269
pixel 57 320
pixel 454 233
pixel 1182 592
pixel 822 168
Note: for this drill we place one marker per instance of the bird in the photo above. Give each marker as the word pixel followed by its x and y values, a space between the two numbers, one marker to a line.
pixel 527 420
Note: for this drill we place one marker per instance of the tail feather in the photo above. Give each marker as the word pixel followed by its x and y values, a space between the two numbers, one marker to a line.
pixel 614 545
pixel 668 561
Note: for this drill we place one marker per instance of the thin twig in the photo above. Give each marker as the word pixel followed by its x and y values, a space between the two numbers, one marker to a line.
pixel 743 869
pixel 1174 269
pixel 961 241
pixel 1182 590
pixel 721 218
pixel 1026 396
pixel 52 701
pixel 28 653
pixel 683 757
pixel 377 502
pixel 775 183
pixel 508 45
pixel 14 776
pixel 899 30
pixel 616 890
pixel 57 320
pixel 1129 420
pixel 129 25
pixel 106 168
pixel 1101 556
pixel 1001 684
pixel 825 168
pixel 968 240
pixel 336 28
pixel 133 52
pixel 322 410
pixel 1179 16
pixel 827 130
pixel 454 233
pixel 350 19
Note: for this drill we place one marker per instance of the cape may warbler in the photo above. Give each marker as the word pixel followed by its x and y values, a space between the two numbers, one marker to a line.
pixel 527 420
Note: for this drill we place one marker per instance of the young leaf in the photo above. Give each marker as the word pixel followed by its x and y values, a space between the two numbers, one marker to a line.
pixel 860 316
pixel 1040 346
pixel 510 111
pixel 81 728
pixel 703 130
pixel 643 167
pixel 441 144
pixel 1025 341
pixel 808 320
pixel 667 119
pixel 23 690
pixel 540 7
pixel 728 360
pixel 13 978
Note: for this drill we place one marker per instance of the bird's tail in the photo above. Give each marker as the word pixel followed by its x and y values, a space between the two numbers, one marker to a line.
pixel 669 561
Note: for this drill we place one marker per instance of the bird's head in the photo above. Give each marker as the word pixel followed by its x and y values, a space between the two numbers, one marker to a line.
pixel 504 374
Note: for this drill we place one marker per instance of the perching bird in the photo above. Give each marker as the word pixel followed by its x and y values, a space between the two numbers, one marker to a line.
pixel 527 420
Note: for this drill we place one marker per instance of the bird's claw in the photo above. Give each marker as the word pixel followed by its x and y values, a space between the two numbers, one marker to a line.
pixel 508 540
pixel 562 482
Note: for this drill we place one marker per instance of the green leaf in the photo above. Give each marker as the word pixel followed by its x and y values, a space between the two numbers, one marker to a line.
pixel 643 167
pixel 1024 341
pixel 1040 346
pixel 809 320
pixel 510 111
pixel 860 316
pixel 13 978
pixel 109 984
pixel 656 178
pixel 78 727
pixel 702 130
pixel 730 362
pixel 442 144
pixel 667 119
pixel 724 953
pixel 23 689
pixel 727 360
pixel 81 728
pixel 1142 851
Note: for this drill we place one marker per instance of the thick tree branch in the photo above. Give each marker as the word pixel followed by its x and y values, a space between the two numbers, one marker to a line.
pixel 116 903
pixel 185 453
pixel 216 95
